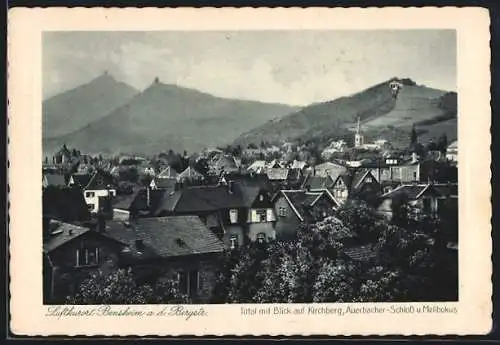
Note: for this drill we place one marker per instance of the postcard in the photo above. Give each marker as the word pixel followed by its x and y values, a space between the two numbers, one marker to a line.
pixel 253 171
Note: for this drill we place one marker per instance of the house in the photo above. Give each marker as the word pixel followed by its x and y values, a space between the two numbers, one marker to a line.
pixel 190 175
pixel 71 253
pixel 168 172
pixel 224 163
pixel 355 183
pixel 329 168
pixel 130 206
pixel 98 189
pixel 164 183
pixel 277 174
pixel 315 183
pixel 65 204
pixel 236 212
pixel 424 198
pixel 452 151
pixel 258 166
pixel 301 165
pixel 53 179
pixel 179 248
pixel 294 207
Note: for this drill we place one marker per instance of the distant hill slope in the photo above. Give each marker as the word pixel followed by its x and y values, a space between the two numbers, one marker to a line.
pixel 76 108
pixel 381 115
pixel 166 117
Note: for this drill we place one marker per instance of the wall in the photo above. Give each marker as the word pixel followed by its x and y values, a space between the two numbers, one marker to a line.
pixel 122 215
pixel 267 228
pixel 94 200
pixel 286 226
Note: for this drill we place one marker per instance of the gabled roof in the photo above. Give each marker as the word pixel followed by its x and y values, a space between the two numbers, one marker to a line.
pixel 51 179
pixel 100 180
pixel 259 164
pixel 227 162
pixel 345 177
pixel 63 233
pixel 358 177
pixel 189 172
pixel 300 200
pixel 168 172
pixel 277 174
pixel 416 191
pixel 198 199
pixel 137 200
pixel 166 236
pixel 81 180
pixel 317 182
pixel 163 182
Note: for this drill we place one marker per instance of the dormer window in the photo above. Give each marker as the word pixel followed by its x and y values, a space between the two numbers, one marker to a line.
pixel 233 216
pixel 261 197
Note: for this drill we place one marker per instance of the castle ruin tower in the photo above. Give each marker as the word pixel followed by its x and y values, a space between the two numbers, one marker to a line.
pixel 358 137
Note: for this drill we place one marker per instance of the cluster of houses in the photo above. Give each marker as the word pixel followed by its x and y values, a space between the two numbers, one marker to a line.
pixel 179 224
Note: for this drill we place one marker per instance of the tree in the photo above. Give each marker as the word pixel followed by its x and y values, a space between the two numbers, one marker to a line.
pixel 121 287
pixel 130 174
pixel 201 165
pixel 413 136
pixel 442 144
pixel 252 146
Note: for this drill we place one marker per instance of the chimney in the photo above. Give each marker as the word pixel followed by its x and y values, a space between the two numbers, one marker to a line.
pixel 157 80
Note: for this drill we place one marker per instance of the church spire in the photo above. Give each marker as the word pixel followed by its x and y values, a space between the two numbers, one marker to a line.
pixel 358 131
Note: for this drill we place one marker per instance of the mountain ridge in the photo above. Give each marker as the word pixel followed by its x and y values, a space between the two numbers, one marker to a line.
pixel 379 108
pixel 167 116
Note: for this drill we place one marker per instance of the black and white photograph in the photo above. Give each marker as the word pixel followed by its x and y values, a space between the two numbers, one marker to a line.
pixel 249 167
pixel 212 167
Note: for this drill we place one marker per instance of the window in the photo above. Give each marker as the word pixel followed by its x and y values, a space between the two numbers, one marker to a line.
pixel 112 193
pixel 91 207
pixel 414 175
pixel 89 194
pixel 87 256
pixel 282 211
pixel 261 197
pixel 261 215
pixel 233 216
pixel 261 237
pixel 233 241
pixel 189 282
pixel 368 180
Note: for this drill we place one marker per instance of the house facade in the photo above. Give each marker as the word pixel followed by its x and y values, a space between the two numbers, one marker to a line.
pixel 71 254
pixel 179 248
pixel 296 207
pixel 98 189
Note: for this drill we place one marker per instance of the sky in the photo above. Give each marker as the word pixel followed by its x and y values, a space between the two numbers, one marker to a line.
pixel 290 67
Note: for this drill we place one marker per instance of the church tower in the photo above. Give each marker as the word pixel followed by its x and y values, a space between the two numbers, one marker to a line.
pixel 358 137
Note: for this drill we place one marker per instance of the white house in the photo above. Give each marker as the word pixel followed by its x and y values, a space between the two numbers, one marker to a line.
pixel 96 188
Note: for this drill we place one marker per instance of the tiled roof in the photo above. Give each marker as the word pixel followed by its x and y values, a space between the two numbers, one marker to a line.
pixel 195 199
pixel 100 180
pixel 300 200
pixel 137 200
pixel 164 182
pixel 415 191
pixel 257 165
pixel 317 182
pixel 276 174
pixel 54 179
pixel 81 180
pixel 358 176
pixel 62 234
pixel 166 236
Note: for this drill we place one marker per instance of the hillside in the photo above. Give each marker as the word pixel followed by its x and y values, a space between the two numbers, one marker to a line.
pixel 382 115
pixel 166 117
pixel 76 108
